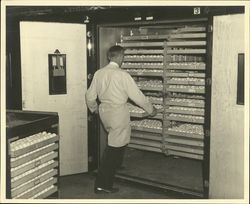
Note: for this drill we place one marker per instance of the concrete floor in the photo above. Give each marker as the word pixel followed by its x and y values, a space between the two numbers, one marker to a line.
pixel 169 170
pixel 81 186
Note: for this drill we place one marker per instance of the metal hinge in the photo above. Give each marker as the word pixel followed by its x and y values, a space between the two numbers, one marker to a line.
pixel 23 104
pixel 207 133
pixel 209 81
pixel 206 183
pixel 210 28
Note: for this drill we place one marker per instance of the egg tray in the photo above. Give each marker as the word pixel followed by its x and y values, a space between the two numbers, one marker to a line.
pixel 38 189
pixel 144 129
pixel 145 37
pixel 186 67
pixel 150 88
pixel 185 90
pixel 33 164
pixel 188 112
pixel 145 115
pixel 200 43
pixel 186 82
pixel 187 51
pixel 143 51
pixel 141 44
pixel 158 116
pixel 156 101
pixel 166 36
pixel 183 134
pixel 146 148
pixel 188 29
pixel 33 147
pixel 182 119
pixel 47 193
pixel 138 115
pixel 185 141
pixel 184 154
pixel 143 59
pixel 34 174
pixel 141 66
pixel 141 73
pixel 32 183
pixel 186 104
pixel 34 155
pixel 184 74
pixel 184 148
pixel 187 35
pixel 146 135
pixel 149 143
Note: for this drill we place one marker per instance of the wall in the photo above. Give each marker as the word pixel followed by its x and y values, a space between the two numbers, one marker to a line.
pixel 227 118
pixel 38 39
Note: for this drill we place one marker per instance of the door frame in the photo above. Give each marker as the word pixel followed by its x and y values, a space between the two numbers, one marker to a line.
pixel 207 125
pixel 205 163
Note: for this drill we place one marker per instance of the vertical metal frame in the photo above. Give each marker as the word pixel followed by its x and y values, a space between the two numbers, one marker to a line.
pixel 166 123
pixel 93 119
pixel 208 88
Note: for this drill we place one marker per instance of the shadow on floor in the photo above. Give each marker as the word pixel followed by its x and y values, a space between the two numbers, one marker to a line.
pixel 81 186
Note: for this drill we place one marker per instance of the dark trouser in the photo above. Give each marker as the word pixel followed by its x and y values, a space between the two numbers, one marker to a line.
pixel 111 160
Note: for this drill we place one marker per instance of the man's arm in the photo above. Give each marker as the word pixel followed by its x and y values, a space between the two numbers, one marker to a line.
pixel 136 95
pixel 91 96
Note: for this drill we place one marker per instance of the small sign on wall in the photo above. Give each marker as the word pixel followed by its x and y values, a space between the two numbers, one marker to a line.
pixel 57 73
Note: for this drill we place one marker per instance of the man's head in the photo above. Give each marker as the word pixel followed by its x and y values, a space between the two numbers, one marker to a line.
pixel 116 54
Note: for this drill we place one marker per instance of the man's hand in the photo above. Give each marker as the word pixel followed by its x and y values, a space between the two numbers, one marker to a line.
pixel 154 112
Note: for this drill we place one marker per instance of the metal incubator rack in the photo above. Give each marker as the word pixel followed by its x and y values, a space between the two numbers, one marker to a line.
pixel 170 69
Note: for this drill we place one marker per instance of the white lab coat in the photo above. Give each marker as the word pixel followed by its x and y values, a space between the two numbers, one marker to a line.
pixel 113 86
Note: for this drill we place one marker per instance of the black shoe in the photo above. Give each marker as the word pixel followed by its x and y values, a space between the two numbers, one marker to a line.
pixel 102 190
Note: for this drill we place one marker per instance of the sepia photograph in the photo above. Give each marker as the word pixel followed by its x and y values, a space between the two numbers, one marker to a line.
pixel 124 101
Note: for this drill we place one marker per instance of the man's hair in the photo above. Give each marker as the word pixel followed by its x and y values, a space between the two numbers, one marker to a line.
pixel 115 51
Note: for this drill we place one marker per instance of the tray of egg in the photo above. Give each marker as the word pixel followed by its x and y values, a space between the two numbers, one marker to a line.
pixel 36 189
pixel 27 144
pixel 32 173
pixel 187 130
pixel 187 65
pixel 16 161
pixel 186 80
pixel 33 182
pixel 155 100
pixel 185 118
pixel 141 65
pixel 147 125
pixel 186 102
pixel 145 72
pixel 185 110
pixel 150 85
pixel 143 58
pixel 136 111
pixel 185 88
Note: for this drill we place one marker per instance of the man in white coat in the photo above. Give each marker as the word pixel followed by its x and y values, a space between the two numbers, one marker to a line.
pixel 113 86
